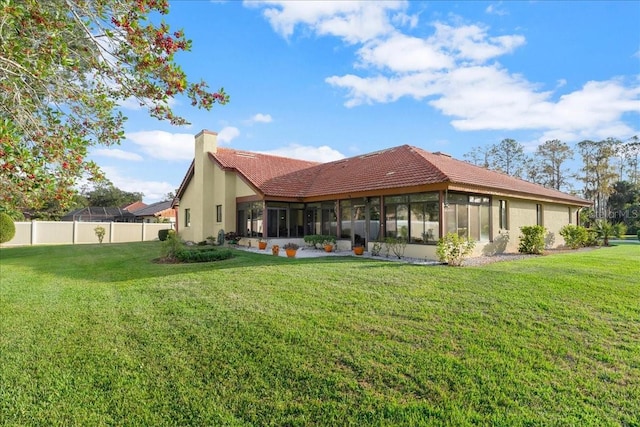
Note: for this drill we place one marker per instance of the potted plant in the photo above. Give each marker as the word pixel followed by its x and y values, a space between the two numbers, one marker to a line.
pixel 328 246
pixel 262 244
pixel 291 249
pixel 358 249
pixel 275 250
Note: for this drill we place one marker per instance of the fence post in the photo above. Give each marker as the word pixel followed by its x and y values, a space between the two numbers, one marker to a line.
pixel 74 238
pixel 144 230
pixel 111 229
pixel 33 232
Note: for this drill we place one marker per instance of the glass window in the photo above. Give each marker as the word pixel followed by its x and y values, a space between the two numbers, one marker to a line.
pixel 345 219
pixel 468 216
pixel 218 213
pixel 187 217
pixel 539 215
pixel 329 219
pixel 503 215
pixel 425 221
pixel 374 218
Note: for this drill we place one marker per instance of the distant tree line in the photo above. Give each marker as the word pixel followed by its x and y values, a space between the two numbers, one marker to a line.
pixel 610 174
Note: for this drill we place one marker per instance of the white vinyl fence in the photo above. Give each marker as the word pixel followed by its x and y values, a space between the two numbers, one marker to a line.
pixel 66 232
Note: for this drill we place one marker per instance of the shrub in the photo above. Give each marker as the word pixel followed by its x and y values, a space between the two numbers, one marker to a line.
pixel 376 248
pixel 575 236
pixel 162 234
pixel 203 255
pixel 291 245
pixel 7 228
pixel 317 240
pixel 453 249
pixel 532 239
pixel 100 232
pixel 397 245
pixel 171 245
pixel 605 230
pixel 619 230
pixel 639 234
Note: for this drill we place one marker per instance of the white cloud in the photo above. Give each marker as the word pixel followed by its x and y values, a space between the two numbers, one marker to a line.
pixel 153 191
pixel 164 145
pixel 227 134
pixel 402 53
pixel 116 153
pixel 353 21
pixel 496 9
pixel 261 118
pixel 321 154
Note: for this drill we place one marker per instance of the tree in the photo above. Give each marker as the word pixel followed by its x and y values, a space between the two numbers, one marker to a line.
pixel 107 195
pixel 508 157
pixel 597 172
pixel 479 156
pixel 65 66
pixel 547 169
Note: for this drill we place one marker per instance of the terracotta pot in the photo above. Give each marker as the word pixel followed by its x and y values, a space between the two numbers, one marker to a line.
pixel 328 248
pixel 291 253
pixel 358 250
pixel 275 250
pixel 262 245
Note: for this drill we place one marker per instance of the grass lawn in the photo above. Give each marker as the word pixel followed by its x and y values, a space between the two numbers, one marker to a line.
pixel 99 335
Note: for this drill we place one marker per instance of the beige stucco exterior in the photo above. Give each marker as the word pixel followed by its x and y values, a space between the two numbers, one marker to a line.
pixel 211 186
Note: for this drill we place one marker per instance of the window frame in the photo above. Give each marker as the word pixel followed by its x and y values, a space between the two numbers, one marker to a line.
pixel 218 213
pixel 503 214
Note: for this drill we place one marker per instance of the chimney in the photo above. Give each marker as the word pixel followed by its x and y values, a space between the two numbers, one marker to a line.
pixel 206 141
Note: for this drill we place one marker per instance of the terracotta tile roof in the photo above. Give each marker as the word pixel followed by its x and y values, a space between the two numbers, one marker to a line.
pixel 258 168
pixel 397 167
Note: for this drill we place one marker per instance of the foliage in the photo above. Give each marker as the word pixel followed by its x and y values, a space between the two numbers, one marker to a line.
pixel 203 255
pixel 65 69
pixel 638 234
pixel 100 232
pixel 7 228
pixel 598 172
pixel 316 240
pixel 105 194
pixel 547 169
pixel 395 245
pixel 606 230
pixel 575 236
pixel 163 234
pixel 291 245
pixel 171 246
pixel 376 248
pixel 336 341
pixel 532 239
pixel 453 249
pixel 232 237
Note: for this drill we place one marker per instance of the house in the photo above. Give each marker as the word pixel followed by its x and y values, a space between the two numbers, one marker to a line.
pixel 399 191
pixel 134 212
pixel 99 214
pixel 156 212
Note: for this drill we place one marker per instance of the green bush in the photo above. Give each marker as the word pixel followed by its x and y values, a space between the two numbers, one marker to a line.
pixel 171 245
pixel 316 240
pixel 162 234
pixel 532 239
pixel 575 236
pixel 453 249
pixel 397 245
pixel 7 228
pixel 638 234
pixel 203 255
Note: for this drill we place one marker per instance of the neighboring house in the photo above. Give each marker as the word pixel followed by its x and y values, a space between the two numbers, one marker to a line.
pixel 99 214
pixel 399 191
pixel 156 212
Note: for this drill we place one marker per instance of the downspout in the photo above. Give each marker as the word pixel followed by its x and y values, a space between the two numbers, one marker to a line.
pixel 176 208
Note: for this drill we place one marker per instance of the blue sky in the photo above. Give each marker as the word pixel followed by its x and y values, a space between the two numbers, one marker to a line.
pixel 326 80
